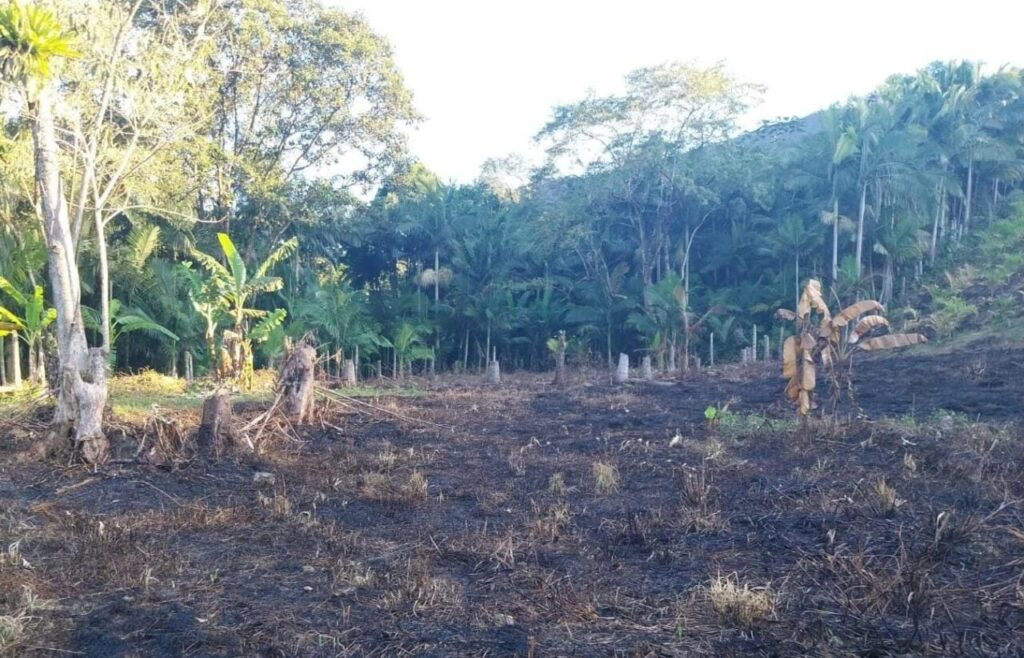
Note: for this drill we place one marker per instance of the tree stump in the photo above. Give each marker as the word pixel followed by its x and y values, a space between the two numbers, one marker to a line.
pixel 494 372
pixel 295 382
pixel 350 372
pixel 622 372
pixel 216 432
pixel 646 371
pixel 560 347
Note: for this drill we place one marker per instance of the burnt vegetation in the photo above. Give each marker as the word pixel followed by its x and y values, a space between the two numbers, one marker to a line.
pixel 527 520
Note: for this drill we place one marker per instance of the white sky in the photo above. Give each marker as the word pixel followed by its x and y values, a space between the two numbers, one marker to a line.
pixel 486 73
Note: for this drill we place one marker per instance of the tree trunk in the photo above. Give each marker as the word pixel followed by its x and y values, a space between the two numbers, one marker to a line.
pixel 295 382
pixel 82 391
pixel 14 360
pixel 835 245
pixel 711 348
pixel 350 372
pixel 3 362
pixel 936 226
pixel 970 194
pixel 189 375
pixel 861 211
pixel 216 432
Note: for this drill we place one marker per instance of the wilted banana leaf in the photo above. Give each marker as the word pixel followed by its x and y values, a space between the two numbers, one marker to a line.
pixel 789 349
pixel 808 375
pixel 891 341
pixel 793 390
pixel 856 309
pixel 865 325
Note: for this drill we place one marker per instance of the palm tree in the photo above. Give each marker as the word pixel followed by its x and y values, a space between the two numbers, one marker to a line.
pixel 32 41
pixel 793 239
pixel 409 347
pixel 31 323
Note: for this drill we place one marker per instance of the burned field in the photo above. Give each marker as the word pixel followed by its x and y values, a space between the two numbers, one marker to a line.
pixel 526 521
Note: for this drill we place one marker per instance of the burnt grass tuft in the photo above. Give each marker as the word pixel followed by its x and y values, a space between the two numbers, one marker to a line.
pixel 383 537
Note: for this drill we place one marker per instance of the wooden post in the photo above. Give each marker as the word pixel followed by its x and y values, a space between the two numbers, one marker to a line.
pixel 753 351
pixel 350 372
pixel 494 372
pixel 646 372
pixel 712 348
pixel 767 348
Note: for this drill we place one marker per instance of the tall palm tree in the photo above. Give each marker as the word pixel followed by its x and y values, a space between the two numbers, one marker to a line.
pixel 32 41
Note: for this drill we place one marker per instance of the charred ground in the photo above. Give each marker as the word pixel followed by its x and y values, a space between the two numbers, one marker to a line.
pixel 522 520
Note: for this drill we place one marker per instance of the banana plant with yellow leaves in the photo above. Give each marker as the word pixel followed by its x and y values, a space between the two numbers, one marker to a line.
pixel 819 341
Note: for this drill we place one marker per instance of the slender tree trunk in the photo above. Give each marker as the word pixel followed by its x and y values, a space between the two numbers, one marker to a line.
pixel 796 269
pixel 936 225
pixel 82 392
pixel 487 346
pixel 14 360
pixel 101 252
pixel 970 195
pixel 3 362
pixel 835 243
pixel 860 227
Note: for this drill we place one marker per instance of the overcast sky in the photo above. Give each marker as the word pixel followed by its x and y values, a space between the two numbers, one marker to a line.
pixel 486 73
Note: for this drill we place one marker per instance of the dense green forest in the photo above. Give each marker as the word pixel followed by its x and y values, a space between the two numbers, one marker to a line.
pixel 235 175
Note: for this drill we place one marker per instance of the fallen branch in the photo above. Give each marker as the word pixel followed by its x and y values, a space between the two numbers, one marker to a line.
pixel 334 396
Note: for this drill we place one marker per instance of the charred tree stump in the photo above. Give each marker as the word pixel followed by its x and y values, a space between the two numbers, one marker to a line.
pixel 295 382
pixel 216 432
pixel 622 372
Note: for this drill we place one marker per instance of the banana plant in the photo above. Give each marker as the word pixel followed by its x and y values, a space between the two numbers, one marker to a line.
pixel 235 289
pixel 822 344
pixel 29 326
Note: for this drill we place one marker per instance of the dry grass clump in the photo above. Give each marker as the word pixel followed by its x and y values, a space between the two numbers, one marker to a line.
pixel 415 489
pixel 549 523
pixel 606 478
pixel 740 605
pixel 556 484
pixel 417 591
pixel 385 487
pixel 883 499
pixel 12 628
